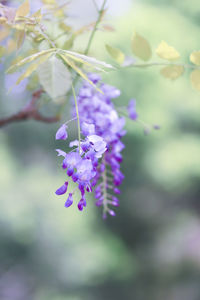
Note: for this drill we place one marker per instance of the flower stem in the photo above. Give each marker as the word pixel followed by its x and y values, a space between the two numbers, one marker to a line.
pixel 104 187
pixel 78 120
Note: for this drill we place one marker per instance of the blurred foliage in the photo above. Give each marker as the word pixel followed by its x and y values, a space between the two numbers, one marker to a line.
pixel 151 249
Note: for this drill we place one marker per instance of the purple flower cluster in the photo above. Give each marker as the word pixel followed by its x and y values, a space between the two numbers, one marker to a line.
pixel 80 164
pixel 94 162
pixel 97 109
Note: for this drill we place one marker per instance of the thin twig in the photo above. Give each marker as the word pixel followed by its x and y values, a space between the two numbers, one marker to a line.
pixel 95 4
pixel 30 111
pixel 101 11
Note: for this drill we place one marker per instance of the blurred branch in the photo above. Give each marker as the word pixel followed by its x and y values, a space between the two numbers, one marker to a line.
pixel 29 112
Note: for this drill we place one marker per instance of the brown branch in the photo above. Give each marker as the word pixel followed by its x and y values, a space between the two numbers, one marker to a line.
pixel 30 111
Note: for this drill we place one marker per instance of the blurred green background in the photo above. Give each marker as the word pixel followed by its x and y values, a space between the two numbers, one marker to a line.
pixel 151 249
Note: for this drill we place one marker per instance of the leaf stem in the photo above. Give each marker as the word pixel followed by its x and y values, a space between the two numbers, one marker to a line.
pixel 78 120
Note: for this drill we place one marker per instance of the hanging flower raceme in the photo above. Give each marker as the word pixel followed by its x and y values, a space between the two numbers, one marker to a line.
pixel 80 164
pixel 95 160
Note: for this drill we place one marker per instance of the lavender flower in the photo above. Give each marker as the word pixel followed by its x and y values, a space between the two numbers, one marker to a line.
pixel 97 109
pixel 94 162
pixel 132 110
pixel 69 201
pixel 63 189
pixel 61 134
pixel 61 153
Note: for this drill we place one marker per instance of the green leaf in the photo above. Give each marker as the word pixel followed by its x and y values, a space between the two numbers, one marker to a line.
pixel 172 72
pixel 28 59
pixel 195 79
pixel 55 77
pixel 167 52
pixel 116 54
pixel 141 47
pixel 95 63
pixel 33 67
pixel 78 70
pixel 69 43
pixel 195 58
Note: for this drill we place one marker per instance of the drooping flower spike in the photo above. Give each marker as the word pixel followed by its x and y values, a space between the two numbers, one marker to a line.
pixel 95 165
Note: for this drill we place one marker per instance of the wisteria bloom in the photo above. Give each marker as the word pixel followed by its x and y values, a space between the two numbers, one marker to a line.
pixel 132 110
pixel 94 162
pixel 61 134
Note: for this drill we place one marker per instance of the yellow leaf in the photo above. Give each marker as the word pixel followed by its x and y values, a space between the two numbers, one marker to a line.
pixel 172 72
pixel 20 38
pixel 141 47
pixel 59 13
pixel 33 67
pixel 2 51
pixel 19 26
pixel 49 1
pixel 23 10
pixel 167 52
pixel 4 33
pixel 3 20
pixel 16 60
pixel 65 27
pixel 116 54
pixel 31 27
pixel 195 79
pixel 11 46
pixel 33 82
pixel 37 15
pixel 195 58
pixel 28 60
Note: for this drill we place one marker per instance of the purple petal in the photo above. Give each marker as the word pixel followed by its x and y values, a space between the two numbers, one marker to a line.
pixel 94 77
pixel 74 143
pixel 70 171
pixel 156 127
pixel 63 189
pixel 61 134
pixel 87 129
pixel 80 206
pixel 94 138
pixel 60 152
pixel 116 191
pixel 112 213
pixel 132 110
pixel 69 201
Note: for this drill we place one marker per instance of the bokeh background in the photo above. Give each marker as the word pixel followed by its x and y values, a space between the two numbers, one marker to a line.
pixel 151 249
